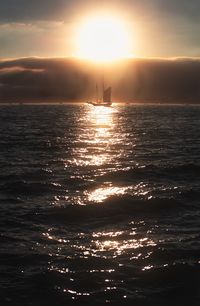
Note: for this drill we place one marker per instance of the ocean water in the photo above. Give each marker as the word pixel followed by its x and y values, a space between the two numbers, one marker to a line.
pixel 99 206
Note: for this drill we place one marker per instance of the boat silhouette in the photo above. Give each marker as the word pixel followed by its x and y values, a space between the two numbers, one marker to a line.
pixel 105 99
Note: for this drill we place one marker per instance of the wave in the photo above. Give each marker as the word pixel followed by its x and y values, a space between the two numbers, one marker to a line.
pixel 180 172
pixel 8 200
pixel 32 188
pixel 40 174
pixel 115 206
pixel 175 284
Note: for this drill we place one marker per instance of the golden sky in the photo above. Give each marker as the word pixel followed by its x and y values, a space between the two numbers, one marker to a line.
pixel 155 28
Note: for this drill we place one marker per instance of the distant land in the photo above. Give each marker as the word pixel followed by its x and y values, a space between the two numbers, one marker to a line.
pixel 42 80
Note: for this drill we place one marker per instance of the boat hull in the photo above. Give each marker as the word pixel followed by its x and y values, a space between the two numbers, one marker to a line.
pixel 100 103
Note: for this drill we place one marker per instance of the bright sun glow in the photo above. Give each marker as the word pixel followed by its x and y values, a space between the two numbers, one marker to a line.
pixel 103 38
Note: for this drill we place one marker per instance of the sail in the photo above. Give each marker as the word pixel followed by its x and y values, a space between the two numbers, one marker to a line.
pixel 107 95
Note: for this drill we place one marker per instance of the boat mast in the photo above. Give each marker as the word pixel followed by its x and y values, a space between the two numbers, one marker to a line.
pixel 103 87
pixel 97 94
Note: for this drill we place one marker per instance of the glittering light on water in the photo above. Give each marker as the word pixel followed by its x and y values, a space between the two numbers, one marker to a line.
pixel 116 245
pixel 101 194
pixel 54 238
pixel 101 116
pixel 110 234
pixel 147 268
pixel 120 246
pixel 96 139
pixel 76 293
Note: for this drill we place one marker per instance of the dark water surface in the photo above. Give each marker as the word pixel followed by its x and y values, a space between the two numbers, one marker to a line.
pixel 99 206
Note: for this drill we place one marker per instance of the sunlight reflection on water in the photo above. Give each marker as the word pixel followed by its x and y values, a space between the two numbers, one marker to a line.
pixel 101 117
pixel 98 151
pixel 118 247
pixel 101 125
pixel 96 137
pixel 101 194
pixel 101 120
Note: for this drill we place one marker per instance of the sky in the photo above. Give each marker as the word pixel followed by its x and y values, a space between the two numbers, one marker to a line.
pixel 45 28
pixel 38 51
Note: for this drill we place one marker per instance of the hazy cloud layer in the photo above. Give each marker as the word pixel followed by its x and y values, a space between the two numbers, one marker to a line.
pixel 46 79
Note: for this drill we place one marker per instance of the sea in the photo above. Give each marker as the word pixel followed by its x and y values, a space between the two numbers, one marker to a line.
pixel 99 205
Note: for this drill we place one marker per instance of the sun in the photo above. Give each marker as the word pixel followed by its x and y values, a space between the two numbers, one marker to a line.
pixel 103 38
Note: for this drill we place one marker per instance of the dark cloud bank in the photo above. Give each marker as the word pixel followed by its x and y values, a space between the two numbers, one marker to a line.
pixel 22 10
pixel 71 80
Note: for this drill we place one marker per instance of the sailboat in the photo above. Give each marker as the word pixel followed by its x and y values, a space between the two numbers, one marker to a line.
pixel 105 99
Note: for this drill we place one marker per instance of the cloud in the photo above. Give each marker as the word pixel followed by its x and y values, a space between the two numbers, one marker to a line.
pixel 41 38
pixel 20 10
pixel 184 8
pixel 134 80
pixel 23 10
pixel 40 79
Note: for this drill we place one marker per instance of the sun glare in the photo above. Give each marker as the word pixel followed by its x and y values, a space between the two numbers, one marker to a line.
pixel 103 38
